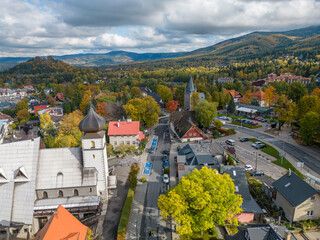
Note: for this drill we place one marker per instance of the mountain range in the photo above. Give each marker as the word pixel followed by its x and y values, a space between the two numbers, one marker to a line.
pixel 253 45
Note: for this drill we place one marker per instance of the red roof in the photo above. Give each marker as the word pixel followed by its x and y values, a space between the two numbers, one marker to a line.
pixel 234 93
pixel 123 128
pixel 259 95
pixel 62 225
pixel 40 107
pixel 59 97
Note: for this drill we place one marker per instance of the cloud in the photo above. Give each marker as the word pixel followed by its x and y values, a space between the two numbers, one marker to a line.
pixel 42 27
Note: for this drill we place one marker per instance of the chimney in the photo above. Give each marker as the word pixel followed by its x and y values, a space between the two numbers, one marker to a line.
pixel 118 124
pixel 287 235
pixel 289 172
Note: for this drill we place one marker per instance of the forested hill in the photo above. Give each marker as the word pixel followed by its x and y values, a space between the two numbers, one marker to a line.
pixel 39 70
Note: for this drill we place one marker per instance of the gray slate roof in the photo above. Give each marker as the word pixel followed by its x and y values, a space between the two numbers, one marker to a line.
pixel 255 232
pixel 294 189
pixel 193 158
pixel 190 87
pixel 18 162
pixel 92 122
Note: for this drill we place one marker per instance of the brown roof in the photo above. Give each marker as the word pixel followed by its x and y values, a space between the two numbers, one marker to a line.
pixel 233 93
pixel 259 95
pixel 5 116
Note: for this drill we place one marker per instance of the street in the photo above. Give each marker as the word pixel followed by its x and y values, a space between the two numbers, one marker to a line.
pixel 151 220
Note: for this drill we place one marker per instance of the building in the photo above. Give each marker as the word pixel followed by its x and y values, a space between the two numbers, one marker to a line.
pixel 56 114
pixel 62 225
pixel 189 90
pixel 125 133
pixel 297 198
pixel 182 125
pixel 59 97
pixel 259 83
pixel 249 109
pixel 34 180
pixel 259 96
pixel 4 126
pixel 225 80
pixel 236 95
pixel 39 107
pixel 288 77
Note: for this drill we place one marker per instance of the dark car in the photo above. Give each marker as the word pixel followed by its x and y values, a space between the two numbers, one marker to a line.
pixel 166 152
pixel 257 173
pixel 244 139
pixel 166 164
pixel 264 120
pixel 165 158
pixel 251 118
pixel 151 150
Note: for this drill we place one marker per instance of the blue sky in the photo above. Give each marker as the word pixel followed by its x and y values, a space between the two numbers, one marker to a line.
pixel 57 27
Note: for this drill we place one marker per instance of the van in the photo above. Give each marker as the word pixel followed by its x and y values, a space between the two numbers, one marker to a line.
pixel 231 142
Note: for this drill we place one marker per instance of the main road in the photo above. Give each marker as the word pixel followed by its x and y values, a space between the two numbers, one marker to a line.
pixel 301 156
pixel 151 220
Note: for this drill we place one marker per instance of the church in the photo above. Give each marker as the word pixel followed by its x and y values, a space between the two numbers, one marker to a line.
pixel 35 180
pixel 188 91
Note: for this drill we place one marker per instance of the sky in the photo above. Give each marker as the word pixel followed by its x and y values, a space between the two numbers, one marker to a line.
pixel 59 27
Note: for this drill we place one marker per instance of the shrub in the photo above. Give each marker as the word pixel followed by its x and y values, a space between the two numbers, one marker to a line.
pixel 125 214
pixel 143 179
pixel 133 175
pixel 215 133
pixel 218 124
pixel 143 143
pixel 166 170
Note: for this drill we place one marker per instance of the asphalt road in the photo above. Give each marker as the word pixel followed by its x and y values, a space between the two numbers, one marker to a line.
pixel 301 156
pixel 151 219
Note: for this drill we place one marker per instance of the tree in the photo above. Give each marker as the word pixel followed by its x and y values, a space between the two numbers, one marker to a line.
pixel 179 95
pixel 308 104
pixel 218 124
pixel 165 93
pixel 47 125
pixel 84 102
pixel 205 113
pixel 316 92
pixel 22 105
pixel 285 111
pixel 194 99
pixel 231 106
pixel 100 108
pixel 50 100
pixel 310 127
pixel 145 110
pixel 171 106
pixel 135 92
pixel 269 96
pixel 23 116
pixel 296 91
pixel 199 201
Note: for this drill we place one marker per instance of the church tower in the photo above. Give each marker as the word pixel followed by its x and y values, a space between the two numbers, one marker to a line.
pixel 94 151
pixel 190 88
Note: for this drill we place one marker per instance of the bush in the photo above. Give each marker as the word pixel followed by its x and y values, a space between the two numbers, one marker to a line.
pixel 125 214
pixel 218 124
pixel 133 175
pixel 166 170
pixel 246 125
pixel 143 179
pixel 143 143
pixel 215 133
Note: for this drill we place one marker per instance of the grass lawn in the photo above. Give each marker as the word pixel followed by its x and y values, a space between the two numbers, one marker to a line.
pixel 246 125
pixel 125 214
pixel 275 153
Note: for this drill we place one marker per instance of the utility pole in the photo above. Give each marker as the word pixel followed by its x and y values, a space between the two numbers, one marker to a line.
pixel 256 160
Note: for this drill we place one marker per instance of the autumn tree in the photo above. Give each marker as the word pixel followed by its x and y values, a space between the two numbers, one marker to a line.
pixel 201 200
pixel 23 116
pixel 145 110
pixel 308 104
pixel 135 92
pixel 171 106
pixel 165 93
pixel 310 127
pixel 247 97
pixel 218 124
pixel 179 94
pixel 195 98
pixel 100 108
pixel 22 105
pixel 205 113
pixel 316 92
pixel 269 96
pixel 84 102
pixel 47 125
pixel 285 110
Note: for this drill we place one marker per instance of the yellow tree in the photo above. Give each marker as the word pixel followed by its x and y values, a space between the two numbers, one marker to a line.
pixel 23 116
pixel 194 99
pixel 47 125
pixel 247 97
pixel 316 91
pixel 285 110
pixel 269 96
pixel 199 201
pixel 84 102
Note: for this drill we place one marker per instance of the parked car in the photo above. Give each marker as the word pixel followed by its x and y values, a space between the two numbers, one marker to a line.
pixel 256 118
pixel 265 120
pixel 230 142
pixel 167 152
pixel 254 123
pixel 248 167
pixel 165 178
pixel 251 118
pixel 151 150
pixel 165 158
pixel 258 145
pixel 255 143
pixel 244 139
pixel 257 173
pixel 165 164
pixel 229 119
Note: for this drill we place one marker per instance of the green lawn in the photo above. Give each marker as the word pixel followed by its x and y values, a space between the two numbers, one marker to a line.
pixel 125 214
pixel 246 125
pixel 275 153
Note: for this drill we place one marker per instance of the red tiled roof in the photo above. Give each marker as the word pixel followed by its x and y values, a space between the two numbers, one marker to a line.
pixel 233 93
pixel 5 116
pixel 259 95
pixel 59 96
pixel 40 107
pixel 123 128
pixel 62 225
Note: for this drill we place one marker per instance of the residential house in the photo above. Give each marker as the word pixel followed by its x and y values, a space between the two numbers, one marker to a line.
pixel 259 96
pixel 125 133
pixel 259 83
pixel 56 114
pixel 182 125
pixel 59 97
pixel 297 198
pixel 236 95
pixel 261 232
pixel 62 225
pixel 6 117
pixel 39 107
pixel 225 80
pixel 288 77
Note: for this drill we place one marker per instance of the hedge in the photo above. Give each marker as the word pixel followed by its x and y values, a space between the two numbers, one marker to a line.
pixel 275 153
pixel 125 215
pixel 246 125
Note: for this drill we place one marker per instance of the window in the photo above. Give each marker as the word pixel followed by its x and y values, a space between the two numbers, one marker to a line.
pixel 115 143
pixel 313 198
pixel 133 142
pixel 310 213
pixel 190 134
pixel 44 195
pixel 92 144
pixel 194 134
pixel 237 189
pixel 128 142
pixel 122 142
pixel 93 156
pixel 60 193
pixel 75 192
pixel 59 179
pixel 90 189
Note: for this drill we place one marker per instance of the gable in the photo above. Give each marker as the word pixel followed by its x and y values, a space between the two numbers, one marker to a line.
pixel 195 133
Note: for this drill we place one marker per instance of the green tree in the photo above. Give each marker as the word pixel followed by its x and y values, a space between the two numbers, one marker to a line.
pixel 308 104
pixel 205 113
pixel 135 92
pixel 218 124
pixel 145 110
pixel 179 95
pixel 22 105
pixel 285 111
pixel 296 91
pixel 201 200
pixel 231 106
pixel 195 98
pixel 165 93
pixel 23 116
pixel 310 127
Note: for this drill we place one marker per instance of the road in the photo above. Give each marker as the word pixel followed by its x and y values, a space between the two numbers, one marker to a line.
pixel 151 219
pixel 301 156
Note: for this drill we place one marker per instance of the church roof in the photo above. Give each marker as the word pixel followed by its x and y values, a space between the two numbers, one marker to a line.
pixel 190 87
pixel 92 122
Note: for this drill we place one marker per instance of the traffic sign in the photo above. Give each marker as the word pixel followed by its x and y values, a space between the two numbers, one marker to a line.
pixel 282 154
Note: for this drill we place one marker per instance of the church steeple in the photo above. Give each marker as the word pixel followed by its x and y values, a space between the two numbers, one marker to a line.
pixel 190 87
pixel 92 122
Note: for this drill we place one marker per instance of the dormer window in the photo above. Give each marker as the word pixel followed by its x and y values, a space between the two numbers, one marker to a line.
pixel 20 175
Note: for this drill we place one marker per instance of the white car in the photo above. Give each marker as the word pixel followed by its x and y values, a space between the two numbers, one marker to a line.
pixel 255 144
pixel 165 178
pixel 248 167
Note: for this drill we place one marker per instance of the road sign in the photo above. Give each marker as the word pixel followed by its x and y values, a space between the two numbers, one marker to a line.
pixel 300 164
pixel 282 154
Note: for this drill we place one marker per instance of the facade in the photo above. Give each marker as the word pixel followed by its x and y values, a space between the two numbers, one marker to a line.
pixel 189 90
pixel 259 96
pixel 297 198
pixel 288 77
pixel 236 95
pixel 125 133
pixel 34 180
pixel 4 126
pixel 225 80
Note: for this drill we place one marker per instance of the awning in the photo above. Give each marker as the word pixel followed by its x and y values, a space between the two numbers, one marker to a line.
pixel 247 110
